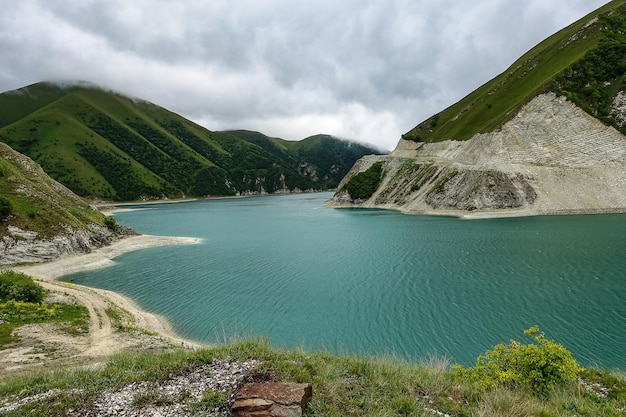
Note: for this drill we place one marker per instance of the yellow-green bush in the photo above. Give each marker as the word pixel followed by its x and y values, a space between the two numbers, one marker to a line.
pixel 21 311
pixel 539 366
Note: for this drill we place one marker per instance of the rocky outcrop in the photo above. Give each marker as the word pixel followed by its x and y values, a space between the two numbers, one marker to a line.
pixel 271 399
pixel 552 157
pixel 21 246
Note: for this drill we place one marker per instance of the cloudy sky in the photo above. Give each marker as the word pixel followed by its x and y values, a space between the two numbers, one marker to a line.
pixel 367 70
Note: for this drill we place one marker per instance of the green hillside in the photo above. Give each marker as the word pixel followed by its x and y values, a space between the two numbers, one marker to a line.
pixel 105 145
pixel 31 200
pixel 585 62
pixel 322 159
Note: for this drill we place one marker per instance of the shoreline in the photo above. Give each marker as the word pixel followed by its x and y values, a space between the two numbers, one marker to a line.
pixel 101 257
pixel 479 214
pixel 49 272
pixel 112 207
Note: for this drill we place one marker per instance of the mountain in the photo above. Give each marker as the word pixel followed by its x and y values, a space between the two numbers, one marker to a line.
pixel 102 144
pixel 584 62
pixel 41 219
pixel 546 136
pixel 323 159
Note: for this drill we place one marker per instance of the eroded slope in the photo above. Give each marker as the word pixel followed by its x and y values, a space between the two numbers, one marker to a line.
pixel 552 157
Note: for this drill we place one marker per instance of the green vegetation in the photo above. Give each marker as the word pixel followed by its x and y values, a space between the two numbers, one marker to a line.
pixel 110 223
pixel 21 302
pixel 362 185
pixel 584 62
pixel 124 182
pixel 101 144
pixel 74 319
pixel 343 385
pixel 121 319
pixel 593 81
pixel 30 200
pixel 19 287
pixel 209 401
pixel 5 208
pixel 541 366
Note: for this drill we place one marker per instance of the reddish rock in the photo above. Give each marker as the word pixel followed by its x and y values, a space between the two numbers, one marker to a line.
pixel 271 399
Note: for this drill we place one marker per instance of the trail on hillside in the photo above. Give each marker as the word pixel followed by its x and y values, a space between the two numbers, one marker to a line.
pixel 102 339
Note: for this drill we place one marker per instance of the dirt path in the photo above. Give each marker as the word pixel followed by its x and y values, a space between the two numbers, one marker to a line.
pixel 101 337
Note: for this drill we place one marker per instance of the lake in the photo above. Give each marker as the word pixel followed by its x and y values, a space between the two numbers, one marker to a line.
pixel 378 282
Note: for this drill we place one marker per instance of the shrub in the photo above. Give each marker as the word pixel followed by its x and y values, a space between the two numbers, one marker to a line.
pixel 364 184
pixel 539 366
pixel 19 287
pixel 5 208
pixel 110 223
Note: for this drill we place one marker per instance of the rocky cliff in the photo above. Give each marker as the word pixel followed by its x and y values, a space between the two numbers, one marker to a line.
pixel 551 158
pixel 22 246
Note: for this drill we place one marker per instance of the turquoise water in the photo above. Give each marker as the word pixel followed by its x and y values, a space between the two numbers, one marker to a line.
pixel 378 282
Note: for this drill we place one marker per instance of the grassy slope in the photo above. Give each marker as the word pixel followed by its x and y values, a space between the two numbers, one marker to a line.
pixel 342 385
pixel 39 203
pixel 497 101
pixel 54 133
pixel 103 144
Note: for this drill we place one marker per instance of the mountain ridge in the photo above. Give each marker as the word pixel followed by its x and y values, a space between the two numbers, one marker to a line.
pixel 103 144
pixel 498 100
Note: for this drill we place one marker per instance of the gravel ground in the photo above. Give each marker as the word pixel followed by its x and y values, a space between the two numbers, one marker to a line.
pixel 193 393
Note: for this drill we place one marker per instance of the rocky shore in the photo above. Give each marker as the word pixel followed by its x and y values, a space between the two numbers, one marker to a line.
pixel 100 257
pixel 23 246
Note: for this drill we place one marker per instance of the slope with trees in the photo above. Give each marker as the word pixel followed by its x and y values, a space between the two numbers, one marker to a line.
pixel 102 144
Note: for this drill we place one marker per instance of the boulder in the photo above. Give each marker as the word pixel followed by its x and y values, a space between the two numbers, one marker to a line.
pixel 271 399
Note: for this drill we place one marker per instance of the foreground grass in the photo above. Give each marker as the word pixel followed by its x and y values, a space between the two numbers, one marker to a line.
pixel 342 385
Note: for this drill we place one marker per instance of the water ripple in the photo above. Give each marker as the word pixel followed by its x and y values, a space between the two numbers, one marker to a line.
pixel 379 282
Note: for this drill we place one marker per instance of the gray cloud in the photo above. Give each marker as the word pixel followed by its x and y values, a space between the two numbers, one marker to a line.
pixel 368 71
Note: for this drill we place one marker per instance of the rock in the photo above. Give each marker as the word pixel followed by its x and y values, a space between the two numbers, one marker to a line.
pixel 21 246
pixel 271 399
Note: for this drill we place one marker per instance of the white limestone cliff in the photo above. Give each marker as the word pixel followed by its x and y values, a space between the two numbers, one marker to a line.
pixel 21 246
pixel 551 158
